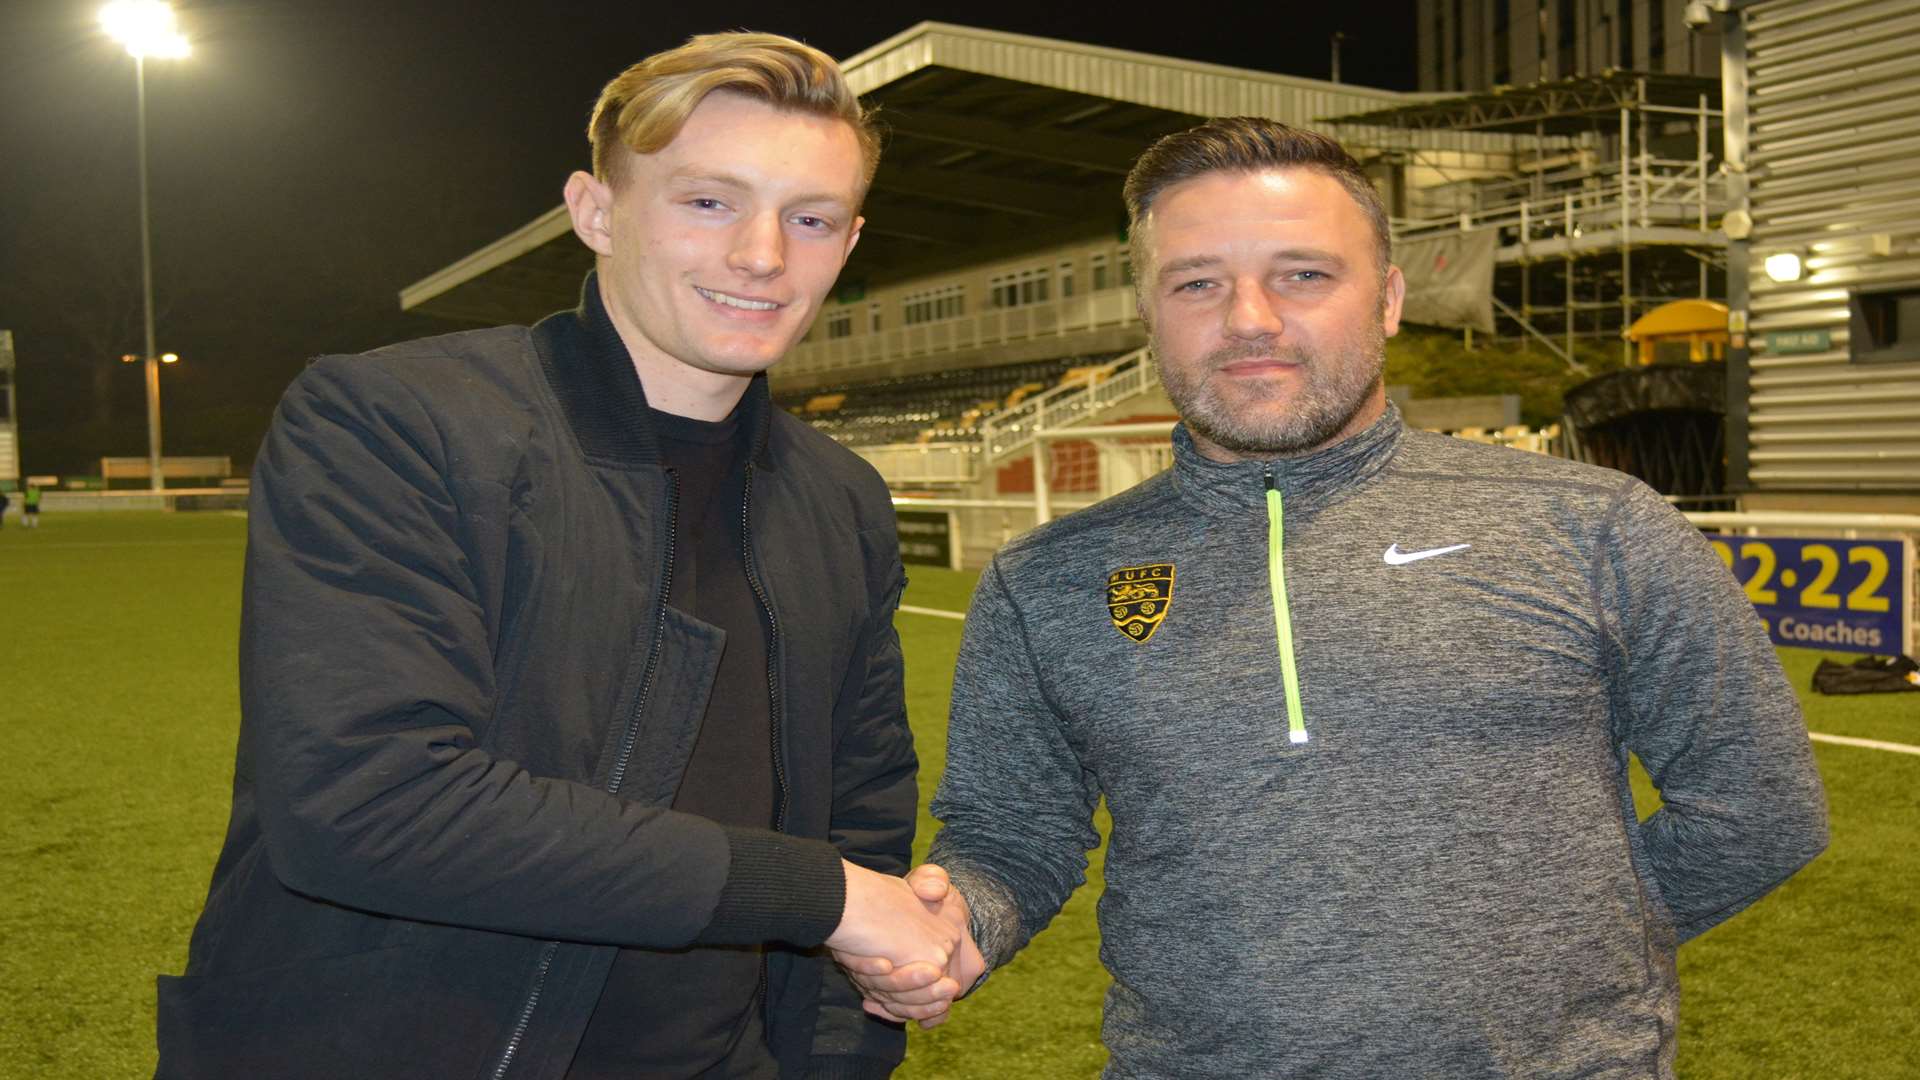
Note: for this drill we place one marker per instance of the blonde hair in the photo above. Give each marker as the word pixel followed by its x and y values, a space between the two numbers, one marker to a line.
pixel 645 106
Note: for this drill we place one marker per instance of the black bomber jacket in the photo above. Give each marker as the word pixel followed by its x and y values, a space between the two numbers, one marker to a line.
pixel 466 707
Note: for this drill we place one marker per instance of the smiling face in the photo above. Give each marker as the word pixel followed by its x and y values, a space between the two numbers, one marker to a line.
pixel 715 253
pixel 1268 309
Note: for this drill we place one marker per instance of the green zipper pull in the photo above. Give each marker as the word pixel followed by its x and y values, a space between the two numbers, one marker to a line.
pixel 1282 615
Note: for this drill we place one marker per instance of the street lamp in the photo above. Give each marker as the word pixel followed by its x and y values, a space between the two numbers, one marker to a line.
pixel 146 28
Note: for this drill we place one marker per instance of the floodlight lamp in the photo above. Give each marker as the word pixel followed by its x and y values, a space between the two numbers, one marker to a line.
pixel 1784 266
pixel 169 358
pixel 129 358
pixel 146 28
pixel 172 47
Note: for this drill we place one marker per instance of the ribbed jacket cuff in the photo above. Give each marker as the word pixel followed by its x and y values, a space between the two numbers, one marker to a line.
pixel 779 888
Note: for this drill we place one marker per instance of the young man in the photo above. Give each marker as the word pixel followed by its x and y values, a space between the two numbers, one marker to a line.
pixel 1360 699
pixel 29 508
pixel 572 707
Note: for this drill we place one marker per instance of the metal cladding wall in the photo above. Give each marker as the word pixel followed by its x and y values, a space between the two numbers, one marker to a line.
pixel 1831 104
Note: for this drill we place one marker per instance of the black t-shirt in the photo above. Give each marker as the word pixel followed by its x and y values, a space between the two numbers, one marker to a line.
pixel 695 1012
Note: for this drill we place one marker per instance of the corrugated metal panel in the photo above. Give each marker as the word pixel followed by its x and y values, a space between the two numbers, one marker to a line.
pixel 1833 132
pixel 1830 376
pixel 1162 82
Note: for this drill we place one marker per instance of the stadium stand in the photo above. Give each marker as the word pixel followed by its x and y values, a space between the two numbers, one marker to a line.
pixel 941 405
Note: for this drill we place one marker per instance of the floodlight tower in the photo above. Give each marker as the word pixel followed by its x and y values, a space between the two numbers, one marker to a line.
pixel 146 28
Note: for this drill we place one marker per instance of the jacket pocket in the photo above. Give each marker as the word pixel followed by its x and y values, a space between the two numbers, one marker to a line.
pixel 391 1012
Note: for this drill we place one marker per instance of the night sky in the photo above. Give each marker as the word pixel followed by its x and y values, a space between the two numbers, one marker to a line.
pixel 314 156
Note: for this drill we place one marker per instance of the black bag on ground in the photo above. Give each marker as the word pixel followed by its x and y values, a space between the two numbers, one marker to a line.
pixel 1868 675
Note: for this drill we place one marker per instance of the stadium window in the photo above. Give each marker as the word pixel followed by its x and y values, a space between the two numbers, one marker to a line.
pixel 1883 326
pixel 1065 274
pixel 1097 264
pixel 873 318
pixel 1018 288
pixel 1568 25
pixel 1502 43
pixel 932 305
pixel 1461 76
pixel 1626 34
pixel 1540 42
pixel 840 323
pixel 1126 268
pixel 1656 38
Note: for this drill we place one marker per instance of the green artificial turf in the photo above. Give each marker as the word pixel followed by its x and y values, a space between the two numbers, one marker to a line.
pixel 118 643
pixel 117 692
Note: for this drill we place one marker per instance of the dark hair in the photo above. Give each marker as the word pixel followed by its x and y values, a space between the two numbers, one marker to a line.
pixel 1248 144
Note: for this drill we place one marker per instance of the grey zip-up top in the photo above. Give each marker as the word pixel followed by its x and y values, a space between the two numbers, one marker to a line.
pixel 1439 871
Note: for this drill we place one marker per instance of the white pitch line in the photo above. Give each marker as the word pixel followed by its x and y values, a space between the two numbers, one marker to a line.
pixel 73 545
pixel 911 610
pixel 1870 744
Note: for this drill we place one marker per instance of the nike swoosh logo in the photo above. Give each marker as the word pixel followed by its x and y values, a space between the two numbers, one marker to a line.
pixel 1396 557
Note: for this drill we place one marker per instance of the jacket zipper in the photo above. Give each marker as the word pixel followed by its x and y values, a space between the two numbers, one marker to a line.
pixel 620 763
pixel 1282 613
pixel 614 779
pixel 773 655
pixel 525 1018
pixel 773 694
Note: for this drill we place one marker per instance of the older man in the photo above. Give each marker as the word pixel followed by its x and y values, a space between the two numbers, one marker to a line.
pixel 1360 699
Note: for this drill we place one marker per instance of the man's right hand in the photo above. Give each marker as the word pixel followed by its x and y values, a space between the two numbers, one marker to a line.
pixel 887 925
pixel 920 991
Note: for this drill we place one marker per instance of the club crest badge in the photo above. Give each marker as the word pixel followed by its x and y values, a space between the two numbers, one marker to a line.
pixel 1138 598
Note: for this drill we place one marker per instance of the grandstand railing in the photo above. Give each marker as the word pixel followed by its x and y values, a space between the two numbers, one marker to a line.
pixel 1657 191
pixel 996 326
pixel 918 464
pixel 1011 431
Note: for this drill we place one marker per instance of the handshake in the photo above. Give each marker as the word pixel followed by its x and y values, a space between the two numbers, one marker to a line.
pixel 905 943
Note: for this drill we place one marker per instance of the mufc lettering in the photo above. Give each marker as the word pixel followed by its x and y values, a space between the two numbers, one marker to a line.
pixel 1138 599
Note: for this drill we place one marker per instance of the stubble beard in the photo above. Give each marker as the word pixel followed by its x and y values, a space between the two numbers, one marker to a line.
pixel 1240 415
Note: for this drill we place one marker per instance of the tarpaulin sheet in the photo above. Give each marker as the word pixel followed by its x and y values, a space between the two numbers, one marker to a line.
pixel 1449 279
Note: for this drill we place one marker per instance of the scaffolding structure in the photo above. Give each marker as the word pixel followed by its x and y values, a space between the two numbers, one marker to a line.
pixel 1607 207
